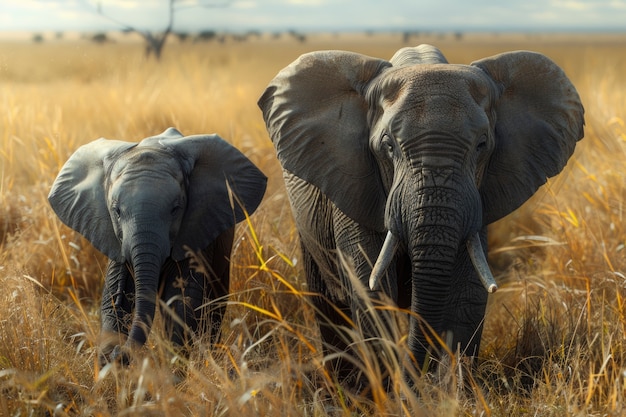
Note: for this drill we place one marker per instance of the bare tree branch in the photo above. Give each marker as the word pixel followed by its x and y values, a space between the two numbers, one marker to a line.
pixel 156 42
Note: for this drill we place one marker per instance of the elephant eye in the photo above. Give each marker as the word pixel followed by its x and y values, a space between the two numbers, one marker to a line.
pixel 175 210
pixel 116 211
pixel 482 143
pixel 387 145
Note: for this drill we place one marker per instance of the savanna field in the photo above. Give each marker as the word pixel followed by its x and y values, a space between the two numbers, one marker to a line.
pixel 554 342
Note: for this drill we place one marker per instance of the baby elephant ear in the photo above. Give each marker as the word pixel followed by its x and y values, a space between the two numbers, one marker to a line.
pixel 78 196
pixel 539 119
pixel 223 185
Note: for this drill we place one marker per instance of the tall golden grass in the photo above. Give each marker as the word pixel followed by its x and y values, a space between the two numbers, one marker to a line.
pixel 554 339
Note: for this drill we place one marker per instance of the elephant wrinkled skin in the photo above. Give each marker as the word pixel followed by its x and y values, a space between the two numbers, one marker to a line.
pixel 161 211
pixel 426 153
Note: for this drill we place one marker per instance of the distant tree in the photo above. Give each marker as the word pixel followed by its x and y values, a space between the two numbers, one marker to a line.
pixel 100 38
pixel 37 38
pixel 407 35
pixel 254 34
pixel 205 36
pixel 182 36
pixel 155 41
pixel 300 37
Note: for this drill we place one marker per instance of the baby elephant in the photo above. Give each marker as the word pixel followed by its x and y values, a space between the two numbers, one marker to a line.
pixel 164 211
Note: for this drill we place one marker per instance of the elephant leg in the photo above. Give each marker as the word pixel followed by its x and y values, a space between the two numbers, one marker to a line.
pixel 216 289
pixel 116 308
pixel 180 290
pixel 182 294
pixel 328 237
pixel 313 214
pixel 330 313
pixel 194 292
pixel 359 247
pixel 467 302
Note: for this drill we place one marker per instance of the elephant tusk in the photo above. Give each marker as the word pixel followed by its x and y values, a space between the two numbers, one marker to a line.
pixel 385 257
pixel 477 255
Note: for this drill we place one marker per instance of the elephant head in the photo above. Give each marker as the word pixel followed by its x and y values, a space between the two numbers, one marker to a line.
pixel 141 203
pixel 426 152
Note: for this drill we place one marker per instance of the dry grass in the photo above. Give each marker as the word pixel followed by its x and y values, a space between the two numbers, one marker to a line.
pixel 554 341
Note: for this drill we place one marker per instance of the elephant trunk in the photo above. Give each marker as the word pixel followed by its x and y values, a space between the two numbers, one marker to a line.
pixel 451 201
pixel 147 256
pixel 433 250
pixel 435 223
pixel 431 270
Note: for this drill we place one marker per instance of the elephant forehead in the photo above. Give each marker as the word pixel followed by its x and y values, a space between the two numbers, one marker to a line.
pixel 154 191
pixel 463 82
pixel 156 164
pixel 439 111
pixel 439 99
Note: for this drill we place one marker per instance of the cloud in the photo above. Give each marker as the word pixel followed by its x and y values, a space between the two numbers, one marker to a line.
pixel 618 4
pixel 310 3
pixel 316 14
pixel 245 5
pixel 132 4
pixel 572 5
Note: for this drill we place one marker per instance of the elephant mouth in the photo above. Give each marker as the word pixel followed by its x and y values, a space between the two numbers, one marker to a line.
pixel 474 249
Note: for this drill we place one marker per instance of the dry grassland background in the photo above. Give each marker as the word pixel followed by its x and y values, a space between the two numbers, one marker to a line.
pixel 554 339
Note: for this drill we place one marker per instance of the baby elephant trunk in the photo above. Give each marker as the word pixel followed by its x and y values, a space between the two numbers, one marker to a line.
pixel 147 257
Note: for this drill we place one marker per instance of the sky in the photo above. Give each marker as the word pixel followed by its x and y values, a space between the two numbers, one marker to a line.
pixel 316 15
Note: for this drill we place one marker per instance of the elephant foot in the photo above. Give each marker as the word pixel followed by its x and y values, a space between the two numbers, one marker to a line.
pixel 179 375
pixel 108 342
pixel 121 355
pixel 118 354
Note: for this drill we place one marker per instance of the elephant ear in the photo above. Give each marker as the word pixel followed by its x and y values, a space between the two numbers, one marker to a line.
pixel 539 119
pixel 223 185
pixel 78 195
pixel 316 114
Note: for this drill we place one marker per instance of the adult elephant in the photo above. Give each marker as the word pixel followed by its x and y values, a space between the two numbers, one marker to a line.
pixel 406 162
pixel 162 210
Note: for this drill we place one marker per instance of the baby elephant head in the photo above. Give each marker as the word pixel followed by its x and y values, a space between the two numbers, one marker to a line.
pixel 142 203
